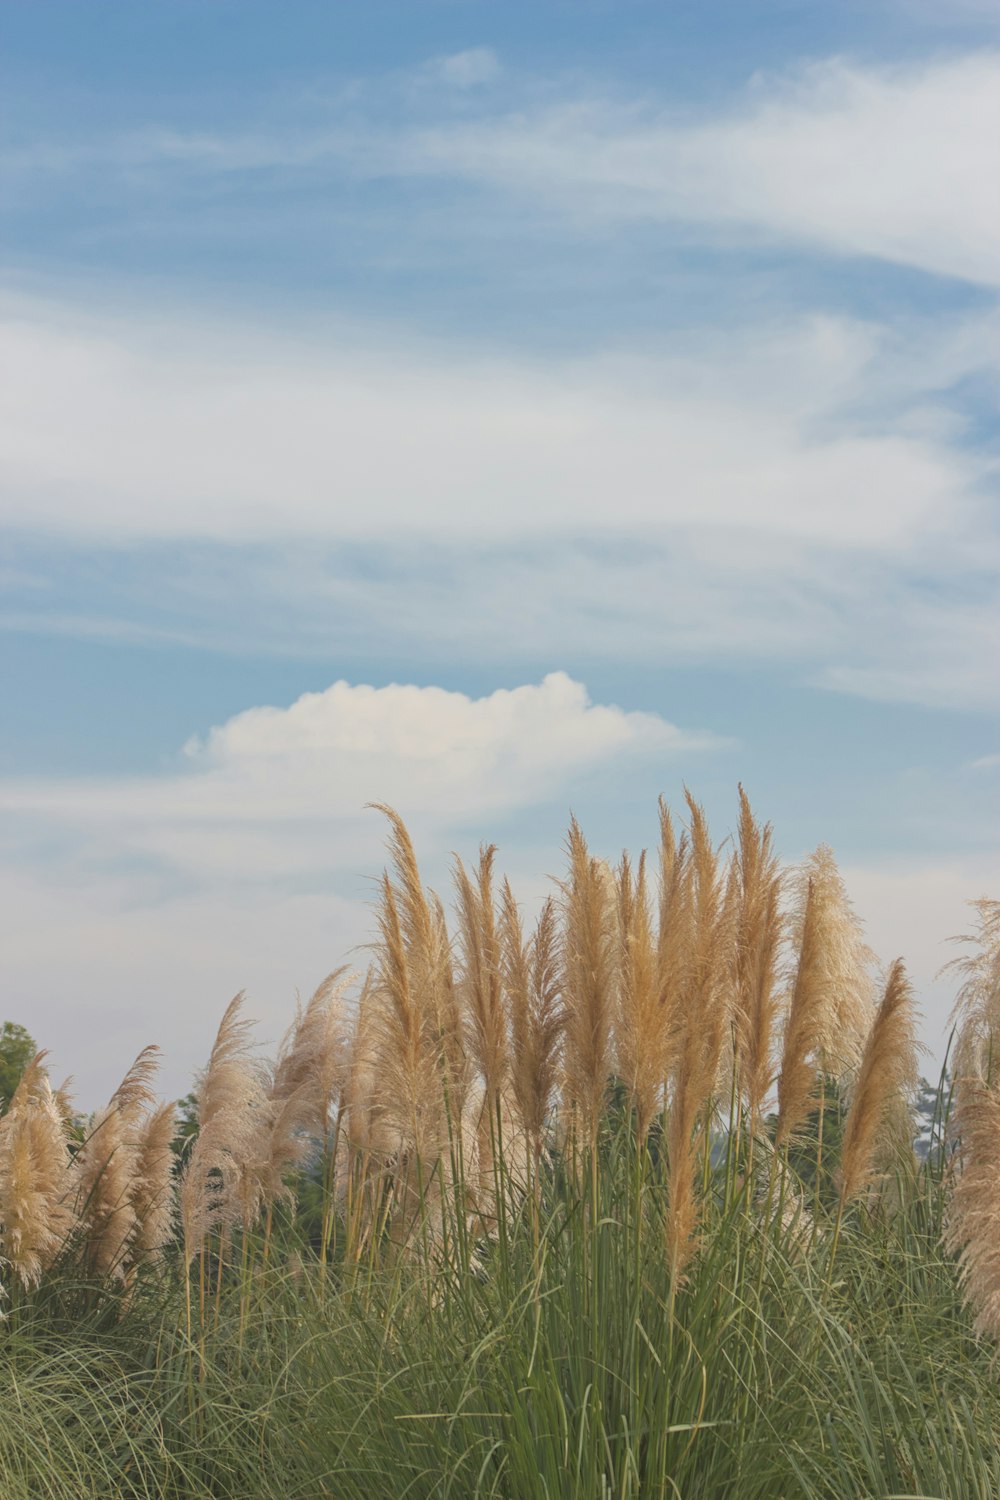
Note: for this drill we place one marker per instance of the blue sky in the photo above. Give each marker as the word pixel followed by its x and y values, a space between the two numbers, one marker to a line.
pixel 604 395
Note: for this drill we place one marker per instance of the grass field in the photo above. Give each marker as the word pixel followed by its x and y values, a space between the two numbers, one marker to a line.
pixel 624 1206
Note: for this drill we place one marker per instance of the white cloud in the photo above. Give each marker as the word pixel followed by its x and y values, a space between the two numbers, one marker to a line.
pixel 280 792
pixel 795 490
pixel 124 430
pixel 896 162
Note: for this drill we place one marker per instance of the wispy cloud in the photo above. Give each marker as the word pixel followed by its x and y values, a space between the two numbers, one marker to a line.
pixel 899 163
pixel 800 490
pixel 464 70
pixel 167 434
pixel 896 162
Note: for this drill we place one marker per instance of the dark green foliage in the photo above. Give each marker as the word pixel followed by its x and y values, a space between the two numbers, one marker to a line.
pixel 17 1048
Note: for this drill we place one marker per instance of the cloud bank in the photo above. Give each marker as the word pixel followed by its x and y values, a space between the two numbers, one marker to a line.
pixel 799 489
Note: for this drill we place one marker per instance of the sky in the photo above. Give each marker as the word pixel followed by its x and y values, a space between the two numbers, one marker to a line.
pixel 499 411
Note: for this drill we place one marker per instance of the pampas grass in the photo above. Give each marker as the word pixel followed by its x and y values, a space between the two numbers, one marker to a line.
pixel 885 1085
pixel 312 1059
pixel 643 1030
pixel 556 1241
pixel 152 1189
pixel 706 1008
pixel 977 1006
pixel 481 984
pixel 104 1172
pixel 588 980
pixel 757 944
pixel 35 1214
pixel 830 1008
pixel 230 1105
pixel 534 1000
pixel 973 1221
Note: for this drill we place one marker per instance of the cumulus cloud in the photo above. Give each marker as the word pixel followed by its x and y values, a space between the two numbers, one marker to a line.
pixel 279 792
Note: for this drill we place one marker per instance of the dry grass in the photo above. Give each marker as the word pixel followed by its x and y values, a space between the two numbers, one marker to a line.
pixel 589 976
pixel 977 1005
pixel 886 1082
pixel 973 1228
pixel 451 1071
pixel 36 1216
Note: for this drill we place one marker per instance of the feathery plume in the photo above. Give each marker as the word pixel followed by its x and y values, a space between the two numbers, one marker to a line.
pixel 977 1005
pixel 446 998
pixel 280 1144
pixel 830 1009
pixel 414 911
pixel 229 1121
pixel 972 1230
pixel 410 1095
pixel 104 1168
pixel 421 1072
pixel 311 1058
pixel 885 1084
pixel 360 1096
pixel 531 986
pixel 757 946
pixel 708 999
pixel 35 1216
pixel 674 940
pixel 670 852
pixel 642 1030
pixel 481 982
pixel 704 917
pixel 152 1187
pixel 805 1016
pixel 589 942
pixel 482 992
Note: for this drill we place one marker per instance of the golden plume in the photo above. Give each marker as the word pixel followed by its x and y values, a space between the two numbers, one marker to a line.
pixel 972 1230
pixel 643 1024
pixel 757 948
pixel 231 1101
pixel 588 965
pixel 977 1005
pixel 35 1215
pixel 531 986
pixel 885 1084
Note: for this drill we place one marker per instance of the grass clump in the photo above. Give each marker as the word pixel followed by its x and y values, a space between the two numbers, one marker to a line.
pixel 624 1205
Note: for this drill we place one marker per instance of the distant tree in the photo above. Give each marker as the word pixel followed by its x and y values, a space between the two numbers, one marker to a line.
pixel 187 1122
pixel 17 1048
